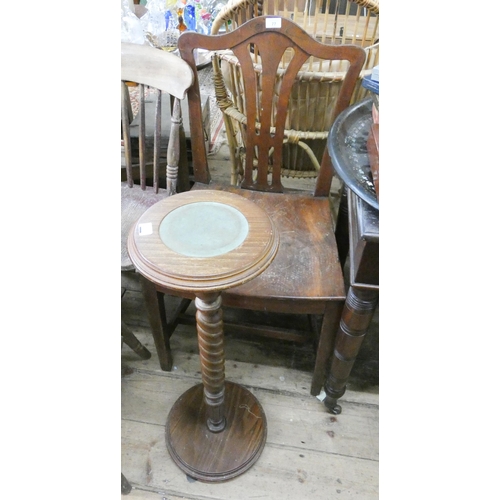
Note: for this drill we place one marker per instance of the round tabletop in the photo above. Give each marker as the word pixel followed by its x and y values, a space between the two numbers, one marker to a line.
pixel 202 241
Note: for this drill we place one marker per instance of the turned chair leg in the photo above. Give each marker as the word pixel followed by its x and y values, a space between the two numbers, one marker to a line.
pixel 131 340
pixel 356 317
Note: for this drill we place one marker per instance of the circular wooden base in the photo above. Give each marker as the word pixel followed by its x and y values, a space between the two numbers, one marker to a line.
pixel 210 456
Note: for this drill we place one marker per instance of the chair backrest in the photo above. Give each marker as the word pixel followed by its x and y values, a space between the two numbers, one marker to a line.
pixel 153 71
pixel 262 42
pixel 333 22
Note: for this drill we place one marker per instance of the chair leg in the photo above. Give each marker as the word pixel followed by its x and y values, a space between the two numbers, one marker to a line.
pixel 131 340
pixel 356 317
pixel 324 350
pixel 155 307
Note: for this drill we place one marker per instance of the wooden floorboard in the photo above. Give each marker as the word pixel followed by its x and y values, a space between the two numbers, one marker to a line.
pixel 280 472
pixel 309 453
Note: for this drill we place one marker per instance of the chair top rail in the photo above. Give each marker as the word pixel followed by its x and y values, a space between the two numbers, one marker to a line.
pixel 155 68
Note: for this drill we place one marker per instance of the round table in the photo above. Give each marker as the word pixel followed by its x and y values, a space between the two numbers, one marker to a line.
pixel 204 242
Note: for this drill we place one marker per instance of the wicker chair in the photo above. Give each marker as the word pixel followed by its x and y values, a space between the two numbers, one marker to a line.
pixel 310 112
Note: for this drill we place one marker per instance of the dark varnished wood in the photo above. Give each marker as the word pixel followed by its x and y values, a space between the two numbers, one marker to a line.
pixel 362 297
pixel 255 34
pixel 173 271
pixel 208 433
pixel 305 277
pixel 216 456
pixel 313 282
pixel 356 318
pixel 358 236
pixel 155 309
pixel 363 242
pixel 211 348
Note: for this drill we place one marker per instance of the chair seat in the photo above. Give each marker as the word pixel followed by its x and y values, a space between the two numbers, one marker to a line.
pixel 307 250
pixel 135 202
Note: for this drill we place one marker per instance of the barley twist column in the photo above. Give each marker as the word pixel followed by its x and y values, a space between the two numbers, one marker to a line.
pixel 211 347
pixel 197 244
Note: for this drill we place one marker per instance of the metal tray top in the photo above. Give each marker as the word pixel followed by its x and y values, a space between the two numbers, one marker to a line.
pixel 347 148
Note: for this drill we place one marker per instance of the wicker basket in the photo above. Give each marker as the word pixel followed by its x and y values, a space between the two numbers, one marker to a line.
pixel 310 110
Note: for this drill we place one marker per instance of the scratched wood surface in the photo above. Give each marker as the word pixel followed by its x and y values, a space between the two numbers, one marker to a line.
pixel 309 453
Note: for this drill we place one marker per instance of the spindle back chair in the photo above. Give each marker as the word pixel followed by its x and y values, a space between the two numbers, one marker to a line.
pixel 159 76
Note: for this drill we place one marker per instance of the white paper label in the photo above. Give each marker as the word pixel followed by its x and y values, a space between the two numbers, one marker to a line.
pixel 322 395
pixel 145 229
pixel 273 22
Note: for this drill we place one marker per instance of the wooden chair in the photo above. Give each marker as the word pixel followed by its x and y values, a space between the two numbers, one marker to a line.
pixel 311 104
pixel 305 278
pixel 155 72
